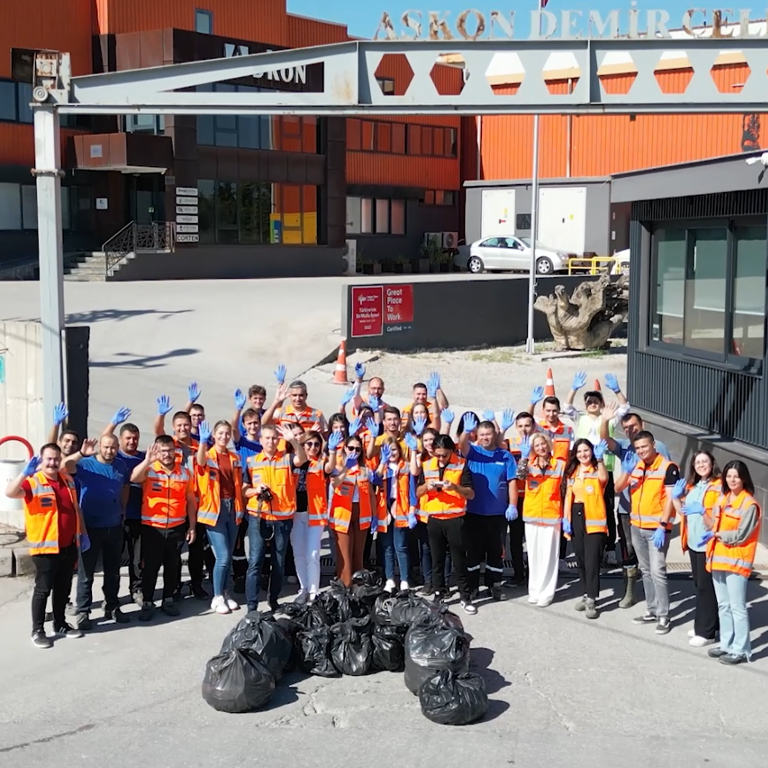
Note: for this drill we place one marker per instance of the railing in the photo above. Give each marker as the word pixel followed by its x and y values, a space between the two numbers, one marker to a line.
pixel 593 266
pixel 134 238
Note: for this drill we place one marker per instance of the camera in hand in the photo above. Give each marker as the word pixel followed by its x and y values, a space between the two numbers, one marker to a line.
pixel 264 495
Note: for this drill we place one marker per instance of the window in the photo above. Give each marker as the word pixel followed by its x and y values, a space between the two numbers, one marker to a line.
pixel 366 129
pixel 398 217
pixel 426 140
pixel 226 212
pixel 382 217
pixel 670 286
pixel 387 85
pixel 10 206
pixel 398 138
pixel 748 336
pixel 24 97
pixel 81 209
pixel 438 143
pixel 29 206
pixel 452 142
pixel 414 139
pixel 439 197
pixel 353 215
pixel 366 216
pixel 152 124
pixel 203 21
pixel 353 134
pixel 7 100
pixel 383 137
pixel 206 201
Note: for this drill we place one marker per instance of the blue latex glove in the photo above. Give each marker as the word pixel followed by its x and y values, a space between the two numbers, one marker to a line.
pixel 419 425
pixel 163 405
pixel 600 449
pixel 433 384
pixel 84 542
pixel 567 527
pixel 470 423
pixel 193 392
pixel 525 448
pixel 60 413
pixel 579 380
pixel 121 415
pixel 359 371
pixel 511 513
pixel 239 399
pixel 347 396
pixel 693 507
pixel 374 402
pixel 488 415
pixel 412 520
pixel 659 537
pixel 280 373
pixel 204 431
pixel 447 415
pixel 507 419
pixel 351 461
pixel 679 488
pixel 612 383
pixel 707 537
pixel 335 440
pixel 629 462
pixel 537 395
pixel 386 453
pixel 355 426
pixel 372 427
pixel 31 466
pixel 411 442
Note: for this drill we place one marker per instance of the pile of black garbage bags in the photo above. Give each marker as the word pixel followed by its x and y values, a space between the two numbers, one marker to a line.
pixel 351 631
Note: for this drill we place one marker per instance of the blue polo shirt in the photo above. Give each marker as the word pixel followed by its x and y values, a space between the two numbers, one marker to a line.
pixel 101 487
pixel 131 461
pixel 246 448
pixel 625 449
pixel 491 474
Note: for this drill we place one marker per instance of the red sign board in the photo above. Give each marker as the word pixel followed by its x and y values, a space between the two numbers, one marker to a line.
pixel 398 305
pixel 367 311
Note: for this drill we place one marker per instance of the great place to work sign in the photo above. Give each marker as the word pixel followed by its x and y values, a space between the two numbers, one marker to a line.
pixel 473 24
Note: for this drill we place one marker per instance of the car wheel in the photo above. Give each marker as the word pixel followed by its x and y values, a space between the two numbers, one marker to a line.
pixel 475 265
pixel 544 266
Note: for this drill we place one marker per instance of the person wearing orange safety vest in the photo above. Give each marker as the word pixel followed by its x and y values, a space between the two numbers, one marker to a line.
pixel 731 550
pixel 168 515
pixel 55 530
pixel 551 425
pixel 443 489
pixel 651 481
pixel 297 411
pixel 525 426
pixel 311 517
pixel 270 488
pixel 220 486
pixel 542 515
pixel 585 519
pixel 702 492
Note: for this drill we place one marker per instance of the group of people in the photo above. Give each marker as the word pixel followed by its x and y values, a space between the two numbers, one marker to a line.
pixel 421 486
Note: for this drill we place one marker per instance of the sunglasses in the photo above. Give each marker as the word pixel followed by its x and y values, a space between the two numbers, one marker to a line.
pixel 312 444
pixel 354 448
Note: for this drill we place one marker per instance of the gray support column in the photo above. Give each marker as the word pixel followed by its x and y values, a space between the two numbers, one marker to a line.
pixel 48 173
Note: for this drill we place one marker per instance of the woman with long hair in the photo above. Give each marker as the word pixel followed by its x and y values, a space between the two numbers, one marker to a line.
pixel 220 487
pixel 585 518
pixel 731 550
pixel 696 506
pixel 542 515
pixel 338 423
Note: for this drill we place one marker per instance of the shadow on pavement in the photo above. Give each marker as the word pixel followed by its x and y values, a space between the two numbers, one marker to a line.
pixel 135 361
pixel 98 315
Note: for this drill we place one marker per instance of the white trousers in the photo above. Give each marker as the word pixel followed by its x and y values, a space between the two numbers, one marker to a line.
pixel 305 540
pixel 543 544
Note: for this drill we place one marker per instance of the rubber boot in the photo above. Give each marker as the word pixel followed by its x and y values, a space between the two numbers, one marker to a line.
pixel 630 576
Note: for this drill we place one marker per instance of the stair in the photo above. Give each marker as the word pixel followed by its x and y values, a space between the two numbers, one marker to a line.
pixel 88 267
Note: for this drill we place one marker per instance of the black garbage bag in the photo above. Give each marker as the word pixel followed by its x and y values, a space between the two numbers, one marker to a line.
pixel 433 645
pixel 262 633
pixel 314 651
pixel 341 605
pixel 408 608
pixel 451 699
pixel 237 681
pixel 351 649
pixel 388 648
pixel 366 587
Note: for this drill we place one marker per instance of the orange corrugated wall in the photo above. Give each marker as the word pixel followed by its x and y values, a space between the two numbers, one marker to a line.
pixel 17 146
pixel 607 144
pixel 304 32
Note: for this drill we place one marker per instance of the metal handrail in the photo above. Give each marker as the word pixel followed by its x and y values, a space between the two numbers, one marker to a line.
pixel 135 237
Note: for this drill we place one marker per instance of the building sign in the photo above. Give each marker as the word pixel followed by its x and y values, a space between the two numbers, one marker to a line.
pixel 186 215
pixel 380 309
pixel 472 24
pixel 398 308
pixel 297 75
pixel 187 238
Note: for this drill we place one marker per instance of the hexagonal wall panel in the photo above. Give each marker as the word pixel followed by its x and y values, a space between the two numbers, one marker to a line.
pixel 393 74
pixel 617 73
pixel 449 74
pixel 671 74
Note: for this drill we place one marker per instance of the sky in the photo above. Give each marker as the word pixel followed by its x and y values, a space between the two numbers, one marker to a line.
pixel 363 18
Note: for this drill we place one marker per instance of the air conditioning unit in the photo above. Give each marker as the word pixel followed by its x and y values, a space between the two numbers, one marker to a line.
pixel 450 239
pixel 433 237
pixel 349 257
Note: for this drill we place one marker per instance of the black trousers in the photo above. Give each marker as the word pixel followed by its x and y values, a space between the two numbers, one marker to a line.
pixel 609 496
pixel 706 622
pixel 161 547
pixel 107 542
pixel 445 535
pixel 239 555
pixel 628 556
pixel 53 574
pixel 132 530
pixel 589 552
pixel 516 539
pixel 484 540
pixel 200 554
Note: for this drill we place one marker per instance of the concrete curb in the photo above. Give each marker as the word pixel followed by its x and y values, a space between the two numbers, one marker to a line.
pixel 15 559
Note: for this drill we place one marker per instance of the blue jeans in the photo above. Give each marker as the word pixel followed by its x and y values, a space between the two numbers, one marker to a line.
pixel 394 543
pixel 257 548
pixel 731 593
pixel 222 539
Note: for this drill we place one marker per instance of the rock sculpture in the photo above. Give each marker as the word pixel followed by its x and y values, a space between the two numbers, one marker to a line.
pixel 587 318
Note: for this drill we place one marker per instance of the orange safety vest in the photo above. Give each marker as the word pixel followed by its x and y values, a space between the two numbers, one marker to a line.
pixel 341 501
pixel 309 418
pixel 648 494
pixel 403 501
pixel 737 558
pixel 711 496
pixel 317 493
pixel 595 517
pixel 562 439
pixel 277 474
pixel 164 495
pixel 209 486
pixel 41 515
pixel 543 502
pixel 442 504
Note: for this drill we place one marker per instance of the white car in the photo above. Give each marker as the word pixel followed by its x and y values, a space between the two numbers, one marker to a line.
pixel 510 253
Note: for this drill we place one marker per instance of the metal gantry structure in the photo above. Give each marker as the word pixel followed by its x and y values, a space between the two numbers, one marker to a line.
pixel 349 86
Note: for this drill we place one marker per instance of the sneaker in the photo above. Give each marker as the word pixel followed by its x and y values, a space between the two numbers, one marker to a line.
pixel 390 586
pixel 581 604
pixel 41 640
pixel 498 594
pixel 199 593
pixel 169 607
pixel 691 633
pixel 439 596
pixel 70 609
pixel 469 607
pixel 233 605
pixel 733 658
pixel 138 598
pixel 274 606
pixel 238 587
pixel 646 618
pixel 83 621
pixel 544 602
pixel 177 594
pixel 516 581
pixel 68 631
pixel 219 605
pixel 117 615
pixel 716 653
pixel 663 626
pixel 147 611
pixel 533 600
pixel 699 642
pixel 590 609
pixel 312 598
pixel 302 598
pixel 292 580
pixel 427 590
pixel 404 586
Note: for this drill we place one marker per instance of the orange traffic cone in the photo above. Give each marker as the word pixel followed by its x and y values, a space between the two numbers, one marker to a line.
pixel 597 387
pixel 340 374
pixel 549 389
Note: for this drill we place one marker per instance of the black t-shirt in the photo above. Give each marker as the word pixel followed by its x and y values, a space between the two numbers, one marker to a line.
pixel 466 477
pixel 672 475
pixel 302 501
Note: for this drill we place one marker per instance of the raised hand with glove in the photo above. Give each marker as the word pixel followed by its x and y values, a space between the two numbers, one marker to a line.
pixel 60 414
pixel 121 415
pixel 193 392
pixel 163 405
pixel 239 399
pixel 433 384
pixel 204 432
pixel 600 449
pixel 359 371
pixel 335 440
pixel 612 383
pixel 579 380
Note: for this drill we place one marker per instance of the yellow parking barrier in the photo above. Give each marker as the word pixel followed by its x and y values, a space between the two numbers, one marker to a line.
pixel 591 266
